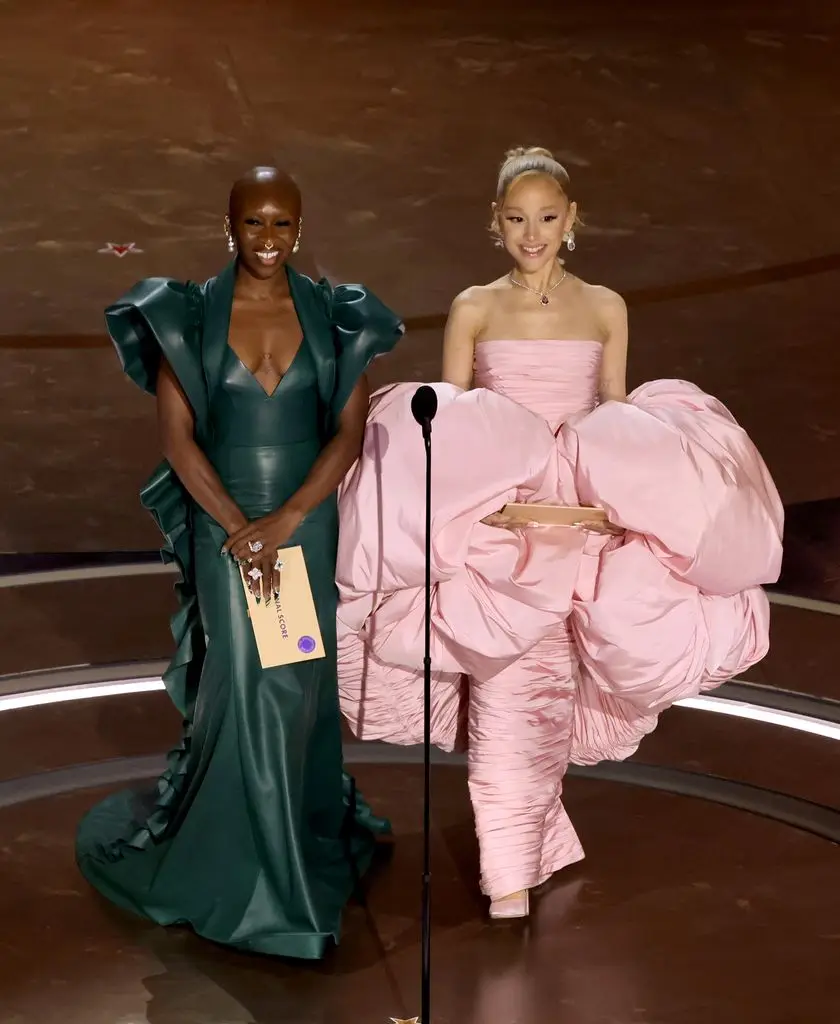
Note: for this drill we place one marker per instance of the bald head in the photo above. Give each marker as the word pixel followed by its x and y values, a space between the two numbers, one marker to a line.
pixel 263 184
pixel 264 221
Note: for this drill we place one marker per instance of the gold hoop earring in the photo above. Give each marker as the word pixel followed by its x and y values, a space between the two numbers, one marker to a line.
pixel 296 246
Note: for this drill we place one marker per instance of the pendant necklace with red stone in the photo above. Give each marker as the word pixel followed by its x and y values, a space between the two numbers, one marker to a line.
pixel 544 295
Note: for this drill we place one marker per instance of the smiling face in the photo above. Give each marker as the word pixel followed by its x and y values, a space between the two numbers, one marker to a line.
pixel 264 219
pixel 532 219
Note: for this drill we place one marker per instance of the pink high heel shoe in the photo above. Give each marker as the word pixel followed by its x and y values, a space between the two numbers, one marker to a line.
pixel 509 907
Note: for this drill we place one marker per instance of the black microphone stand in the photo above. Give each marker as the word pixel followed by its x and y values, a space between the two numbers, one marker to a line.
pixel 424 408
pixel 425 994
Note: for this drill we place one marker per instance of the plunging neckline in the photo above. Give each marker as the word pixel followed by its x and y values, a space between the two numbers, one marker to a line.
pixel 301 343
pixel 283 376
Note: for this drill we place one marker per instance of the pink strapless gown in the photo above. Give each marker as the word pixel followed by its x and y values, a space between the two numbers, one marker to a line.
pixel 550 646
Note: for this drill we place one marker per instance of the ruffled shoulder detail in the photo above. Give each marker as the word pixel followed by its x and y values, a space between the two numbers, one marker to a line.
pixel 160 317
pixel 363 328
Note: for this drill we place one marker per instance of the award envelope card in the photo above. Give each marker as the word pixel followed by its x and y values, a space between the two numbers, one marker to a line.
pixel 555 515
pixel 286 628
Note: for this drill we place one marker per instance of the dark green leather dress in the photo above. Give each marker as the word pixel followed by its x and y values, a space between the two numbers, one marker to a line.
pixel 254 836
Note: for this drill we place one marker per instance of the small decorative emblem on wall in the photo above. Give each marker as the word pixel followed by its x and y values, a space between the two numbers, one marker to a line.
pixel 120 249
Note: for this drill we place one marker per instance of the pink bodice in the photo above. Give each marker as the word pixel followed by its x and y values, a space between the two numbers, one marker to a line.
pixel 555 379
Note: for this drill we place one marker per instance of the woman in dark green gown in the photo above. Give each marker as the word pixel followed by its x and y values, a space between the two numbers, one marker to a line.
pixel 254 836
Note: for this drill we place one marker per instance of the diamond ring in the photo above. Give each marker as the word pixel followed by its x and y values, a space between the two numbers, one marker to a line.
pixel 278 565
pixel 256 546
pixel 255 573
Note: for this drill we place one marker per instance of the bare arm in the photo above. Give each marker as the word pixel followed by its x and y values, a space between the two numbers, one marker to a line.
pixel 613 386
pixel 463 325
pixel 176 424
pixel 332 465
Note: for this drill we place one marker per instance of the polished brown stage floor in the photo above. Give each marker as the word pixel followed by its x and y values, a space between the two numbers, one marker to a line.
pixel 683 913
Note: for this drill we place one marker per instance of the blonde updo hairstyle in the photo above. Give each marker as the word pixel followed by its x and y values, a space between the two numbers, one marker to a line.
pixel 524 162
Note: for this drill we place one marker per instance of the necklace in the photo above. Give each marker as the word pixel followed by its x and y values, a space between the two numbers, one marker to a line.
pixel 536 291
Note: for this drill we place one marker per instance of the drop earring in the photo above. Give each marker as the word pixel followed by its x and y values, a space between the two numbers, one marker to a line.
pixel 569 239
pixel 231 244
pixel 296 246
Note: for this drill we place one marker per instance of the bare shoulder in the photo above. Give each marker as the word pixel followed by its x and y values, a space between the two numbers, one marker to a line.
pixel 604 300
pixel 476 298
pixel 471 306
pixel 608 307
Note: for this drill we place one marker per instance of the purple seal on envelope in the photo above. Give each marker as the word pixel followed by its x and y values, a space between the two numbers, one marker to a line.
pixel 306 645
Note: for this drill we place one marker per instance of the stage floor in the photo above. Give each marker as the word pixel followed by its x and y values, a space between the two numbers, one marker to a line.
pixel 719 905
pixel 684 912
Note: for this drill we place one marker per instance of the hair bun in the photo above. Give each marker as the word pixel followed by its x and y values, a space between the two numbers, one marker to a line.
pixel 520 151
pixel 530 160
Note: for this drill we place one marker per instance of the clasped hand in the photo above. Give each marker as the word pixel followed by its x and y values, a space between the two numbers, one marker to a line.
pixel 255 547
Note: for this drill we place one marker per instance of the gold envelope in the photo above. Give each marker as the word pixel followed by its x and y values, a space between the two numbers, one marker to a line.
pixel 286 629
pixel 555 515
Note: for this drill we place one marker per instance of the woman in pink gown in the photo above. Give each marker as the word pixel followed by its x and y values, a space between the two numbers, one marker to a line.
pixel 566 642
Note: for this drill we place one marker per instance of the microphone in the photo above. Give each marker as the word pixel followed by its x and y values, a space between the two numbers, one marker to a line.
pixel 424 407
